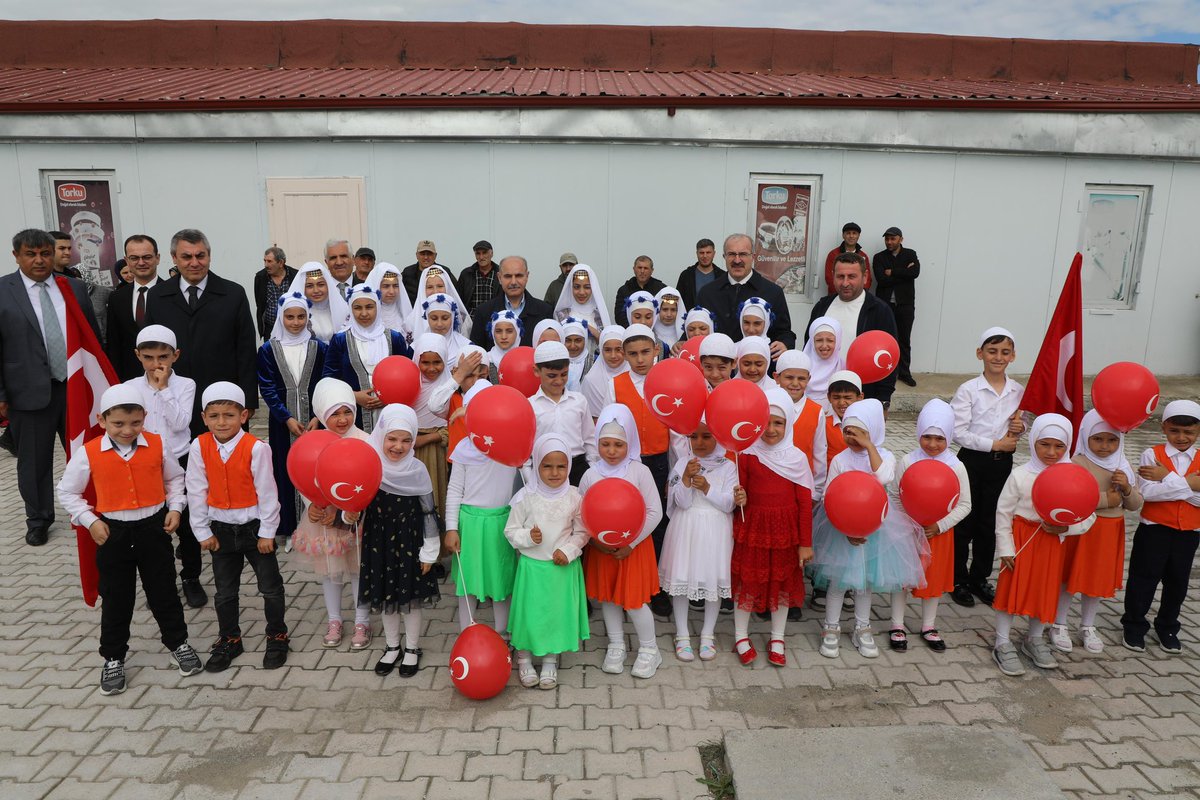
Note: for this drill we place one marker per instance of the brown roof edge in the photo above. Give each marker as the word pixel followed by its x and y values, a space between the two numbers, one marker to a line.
pixel 464 45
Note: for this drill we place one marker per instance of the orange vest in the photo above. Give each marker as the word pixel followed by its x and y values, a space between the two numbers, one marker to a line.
pixel 1173 513
pixel 834 441
pixel 230 483
pixel 654 435
pixel 458 428
pixel 125 485
pixel 806 428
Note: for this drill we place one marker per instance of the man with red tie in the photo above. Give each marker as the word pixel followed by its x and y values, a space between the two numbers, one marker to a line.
pixel 128 303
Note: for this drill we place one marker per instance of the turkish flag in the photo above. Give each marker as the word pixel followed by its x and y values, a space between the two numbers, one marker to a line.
pixel 1056 383
pixel 89 373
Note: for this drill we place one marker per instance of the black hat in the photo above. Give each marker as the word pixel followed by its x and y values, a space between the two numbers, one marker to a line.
pixel 364 252
pixel 894 231
pixel 482 244
pixel 851 226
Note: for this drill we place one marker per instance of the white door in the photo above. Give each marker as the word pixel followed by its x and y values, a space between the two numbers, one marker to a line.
pixel 304 213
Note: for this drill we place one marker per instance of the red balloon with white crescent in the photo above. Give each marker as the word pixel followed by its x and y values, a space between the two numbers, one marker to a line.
pixel 690 352
pixel 1125 394
pixel 349 473
pixel 929 491
pixel 516 370
pixel 1065 494
pixel 873 355
pixel 613 512
pixel 856 504
pixel 736 412
pixel 676 393
pixel 501 424
pixel 396 379
pixel 302 464
pixel 480 662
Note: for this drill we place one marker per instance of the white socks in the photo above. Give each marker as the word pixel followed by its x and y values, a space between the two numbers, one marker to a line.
pixel 1088 608
pixel 833 607
pixel 332 589
pixel 1036 628
pixel 412 634
pixel 1004 622
pixel 679 606
pixel 614 624
pixel 741 629
pixel 929 607
pixel 899 606
pixel 643 624
pixel 779 622
pixel 712 608
pixel 468 604
pixel 1064 606
pixel 466 610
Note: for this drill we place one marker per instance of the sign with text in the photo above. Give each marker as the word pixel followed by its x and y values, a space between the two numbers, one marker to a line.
pixel 82 207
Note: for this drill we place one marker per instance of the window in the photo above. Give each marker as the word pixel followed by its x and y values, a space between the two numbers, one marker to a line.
pixel 1112 238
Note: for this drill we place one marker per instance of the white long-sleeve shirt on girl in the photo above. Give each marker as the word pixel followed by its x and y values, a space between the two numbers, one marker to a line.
pixel 1016 500
pixel 721 482
pixel 558 520
pixel 960 510
pixel 487 485
pixel 639 475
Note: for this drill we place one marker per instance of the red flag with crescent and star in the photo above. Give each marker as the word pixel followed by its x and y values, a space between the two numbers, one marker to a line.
pixel 1056 383
pixel 89 373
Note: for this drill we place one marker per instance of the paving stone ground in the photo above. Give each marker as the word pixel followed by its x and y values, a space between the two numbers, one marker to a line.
pixel 1116 725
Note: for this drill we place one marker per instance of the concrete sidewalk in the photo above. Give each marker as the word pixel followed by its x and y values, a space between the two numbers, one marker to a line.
pixel 910 399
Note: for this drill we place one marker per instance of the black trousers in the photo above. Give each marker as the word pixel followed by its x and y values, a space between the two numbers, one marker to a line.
pixel 188 549
pixel 905 314
pixel 33 435
pixel 975 536
pixel 1160 555
pixel 579 465
pixel 132 549
pixel 660 470
pixel 237 545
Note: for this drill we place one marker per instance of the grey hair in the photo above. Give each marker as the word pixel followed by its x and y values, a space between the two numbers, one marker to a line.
pixel 278 254
pixel 732 236
pixel 522 259
pixel 335 242
pixel 191 236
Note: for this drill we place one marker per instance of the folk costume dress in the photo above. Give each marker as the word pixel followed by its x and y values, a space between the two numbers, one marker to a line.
pixel 329 315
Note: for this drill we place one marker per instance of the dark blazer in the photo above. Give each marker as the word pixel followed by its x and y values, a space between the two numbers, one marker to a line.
pixel 875 315
pixel 24 365
pixel 123 331
pixel 216 342
pixel 260 296
pixel 535 311
pixel 722 299
pixel 687 283
pixel 653 286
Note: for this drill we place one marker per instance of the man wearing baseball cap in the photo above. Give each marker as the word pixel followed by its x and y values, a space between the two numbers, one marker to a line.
pixel 410 276
pixel 896 271
pixel 480 281
pixel 849 244
pixel 566 262
pixel 364 262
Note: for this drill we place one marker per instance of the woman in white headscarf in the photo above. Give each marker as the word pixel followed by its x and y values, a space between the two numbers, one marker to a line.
pixel 547 326
pixel 395 309
pixel 582 298
pixel 329 312
pixel 823 349
pixel 434 281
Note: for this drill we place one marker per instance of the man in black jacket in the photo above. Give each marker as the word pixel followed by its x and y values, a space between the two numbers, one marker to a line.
pixel 128 304
pixel 722 297
pixel 694 278
pixel 859 311
pixel 514 275
pixel 896 271
pixel 270 283
pixel 643 280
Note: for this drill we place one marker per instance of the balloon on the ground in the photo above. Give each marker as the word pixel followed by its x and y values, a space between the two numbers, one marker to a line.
pixel 1125 394
pixel 737 412
pixel 613 512
pixel 928 491
pixel 516 370
pixel 501 424
pixel 873 355
pixel 1065 494
pixel 676 393
pixel 480 662
pixel 396 379
pixel 302 464
pixel 349 473
pixel 856 503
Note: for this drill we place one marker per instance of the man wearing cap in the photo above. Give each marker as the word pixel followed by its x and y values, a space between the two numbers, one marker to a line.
pixel 340 264
pixel 643 280
pixel 480 281
pixel 270 283
pixel 849 244
pixel 128 303
pixel 722 298
pixel 566 262
pixel 896 271
pixel 33 372
pixel 364 262
pixel 514 276
pixel 426 258
pixel 699 274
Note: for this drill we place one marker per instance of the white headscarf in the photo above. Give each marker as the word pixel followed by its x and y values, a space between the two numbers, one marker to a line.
pixel 1048 426
pixel 670 334
pixel 278 332
pixel 698 314
pixel 823 368
pixel 868 415
pixel 331 314
pixel 542 327
pixel 462 319
pixel 575 327
pixel 594 308
pixel 759 346
pixel 329 395
pixel 621 417
pixel 497 354
pixel 755 307
pixel 374 341
pixel 394 316
pixel 595 383
pixel 543 446
pixel 1091 424
pixel 408 476
pixel 430 343
pixel 937 419
pixel 783 458
pixel 641 299
pixel 465 452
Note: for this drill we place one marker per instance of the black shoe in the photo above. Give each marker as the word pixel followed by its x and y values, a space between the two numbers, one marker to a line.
pixel 660 605
pixel 817 601
pixel 1169 643
pixel 385 667
pixel 985 591
pixel 193 593
pixel 795 614
pixel 962 595
pixel 277 651
pixel 112 677
pixel 898 640
pixel 696 605
pixel 1134 641
pixel 763 615
pixel 224 651
pixel 6 442
pixel 907 380
pixel 408 670
pixel 726 606
pixel 36 537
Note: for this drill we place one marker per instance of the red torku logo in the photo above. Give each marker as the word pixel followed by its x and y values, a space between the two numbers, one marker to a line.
pixel 72 193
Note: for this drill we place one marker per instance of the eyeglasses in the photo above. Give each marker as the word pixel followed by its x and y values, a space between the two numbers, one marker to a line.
pixel 738 255
pixel 139 259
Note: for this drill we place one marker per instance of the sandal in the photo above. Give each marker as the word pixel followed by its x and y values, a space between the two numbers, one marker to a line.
pixel 747 658
pixel 935 641
pixel 898 639
pixel 777 658
pixel 708 648
pixel 526 673
pixel 683 649
pixel 549 677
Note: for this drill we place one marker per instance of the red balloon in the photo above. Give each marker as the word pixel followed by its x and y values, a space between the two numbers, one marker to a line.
pixel 675 394
pixel 302 464
pixel 1125 394
pixel 480 662
pixel 500 422
pixel 856 503
pixel 349 472
pixel 873 355
pixel 397 379
pixel 928 491
pixel 516 370
pixel 690 352
pixel 613 512
pixel 1065 494
pixel 737 413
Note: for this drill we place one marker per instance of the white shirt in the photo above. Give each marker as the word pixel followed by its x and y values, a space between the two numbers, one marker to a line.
pixel 639 475
pixel 558 520
pixel 137 287
pixel 293 358
pixel 1016 499
pixel 169 412
pixel 1173 487
pixel 742 282
pixel 570 418
pixel 820 453
pixel 487 485
pixel 964 491
pixel 78 475
pixel 981 415
pixel 201 286
pixel 35 299
pixel 267 510
pixel 847 315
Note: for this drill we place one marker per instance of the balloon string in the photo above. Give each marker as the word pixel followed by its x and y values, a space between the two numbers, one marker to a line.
pixel 737 465
pixel 1027 541
pixel 458 559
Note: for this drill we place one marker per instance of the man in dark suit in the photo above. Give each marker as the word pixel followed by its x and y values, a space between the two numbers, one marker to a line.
pixel 723 296
pixel 128 303
pixel 33 375
pixel 514 275
pixel 270 283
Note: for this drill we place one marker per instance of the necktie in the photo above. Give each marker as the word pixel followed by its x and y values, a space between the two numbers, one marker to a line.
pixel 56 345
pixel 139 313
pixel 342 289
pixel 193 296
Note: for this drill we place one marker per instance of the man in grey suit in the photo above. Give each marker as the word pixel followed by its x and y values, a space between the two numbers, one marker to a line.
pixel 33 378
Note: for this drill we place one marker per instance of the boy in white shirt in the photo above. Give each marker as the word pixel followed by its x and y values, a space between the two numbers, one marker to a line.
pixel 561 411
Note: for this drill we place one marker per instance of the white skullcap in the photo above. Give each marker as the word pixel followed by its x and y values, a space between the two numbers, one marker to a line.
pixel 612 430
pixel 550 351
pixel 223 390
pixel 847 376
pixel 638 330
pixel 120 395
pixel 1181 408
pixel 156 333
pixel 996 331
pixel 793 359
pixel 718 344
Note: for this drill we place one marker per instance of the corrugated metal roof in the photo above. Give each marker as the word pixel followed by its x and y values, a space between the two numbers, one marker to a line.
pixel 181 88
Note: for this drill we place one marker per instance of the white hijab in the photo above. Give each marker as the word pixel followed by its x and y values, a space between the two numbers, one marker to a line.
pixel 670 334
pixel 329 395
pixel 641 299
pixel 936 418
pixel 756 307
pixel 617 416
pixel 1048 426
pixel 408 476
pixel 462 320
pixel 698 314
pixel 823 368
pixel 465 452
pixel 595 383
pixel 331 314
pixel 1091 424
pixel 374 341
pixel 430 343
pixel 545 444
pixel 783 458
pixel 543 326
pixel 497 354
pixel 394 316
pixel 868 415
pixel 759 346
pixel 594 308
pixel 575 327
pixel 278 332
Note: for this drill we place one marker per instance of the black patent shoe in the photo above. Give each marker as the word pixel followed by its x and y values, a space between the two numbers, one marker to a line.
pixel 385 667
pixel 962 595
pixel 408 670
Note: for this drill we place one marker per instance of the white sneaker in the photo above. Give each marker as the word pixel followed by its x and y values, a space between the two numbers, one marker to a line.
pixel 614 659
pixel 830 641
pixel 1091 640
pixel 865 642
pixel 647 662
pixel 1060 638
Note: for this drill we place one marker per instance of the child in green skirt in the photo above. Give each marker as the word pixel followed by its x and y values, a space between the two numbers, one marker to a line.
pixel 549 602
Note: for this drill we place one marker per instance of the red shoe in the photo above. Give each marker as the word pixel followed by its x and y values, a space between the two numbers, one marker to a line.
pixel 778 659
pixel 747 658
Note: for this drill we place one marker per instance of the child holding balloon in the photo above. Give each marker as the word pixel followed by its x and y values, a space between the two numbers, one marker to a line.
pixel 717 355
pixel 549 609
pixel 824 350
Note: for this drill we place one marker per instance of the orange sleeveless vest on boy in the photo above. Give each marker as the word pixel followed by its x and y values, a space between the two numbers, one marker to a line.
pixel 458 428
pixel 125 485
pixel 654 435
pixel 230 483
pixel 806 428
pixel 1173 513
pixel 834 441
